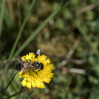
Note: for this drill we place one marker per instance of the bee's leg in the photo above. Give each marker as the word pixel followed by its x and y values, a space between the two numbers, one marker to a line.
pixel 36 72
pixel 29 61
pixel 29 72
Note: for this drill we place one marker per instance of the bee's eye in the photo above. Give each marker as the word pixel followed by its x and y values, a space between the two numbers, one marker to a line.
pixel 36 64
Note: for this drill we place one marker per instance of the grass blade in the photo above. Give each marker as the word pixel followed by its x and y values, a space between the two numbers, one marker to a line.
pixel 9 97
pixel 30 38
pixel 1 15
pixel 10 81
pixel 21 30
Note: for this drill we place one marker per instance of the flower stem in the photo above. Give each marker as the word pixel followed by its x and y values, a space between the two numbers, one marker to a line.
pixel 9 97
pixel 10 82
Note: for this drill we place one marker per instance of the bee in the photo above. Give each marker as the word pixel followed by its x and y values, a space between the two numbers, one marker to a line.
pixel 38 66
pixel 25 66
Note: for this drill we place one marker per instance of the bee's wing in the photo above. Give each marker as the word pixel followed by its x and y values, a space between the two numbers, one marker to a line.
pixel 38 52
pixel 27 67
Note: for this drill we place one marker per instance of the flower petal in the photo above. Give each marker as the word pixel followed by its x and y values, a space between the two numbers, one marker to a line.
pixel 37 79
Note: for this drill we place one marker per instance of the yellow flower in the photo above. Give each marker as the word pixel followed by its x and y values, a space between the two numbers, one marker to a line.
pixel 37 78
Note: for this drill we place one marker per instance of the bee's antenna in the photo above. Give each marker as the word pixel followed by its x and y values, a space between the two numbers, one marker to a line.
pixel 38 52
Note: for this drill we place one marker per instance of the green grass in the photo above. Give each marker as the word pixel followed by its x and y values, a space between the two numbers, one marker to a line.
pixel 54 27
pixel 2 15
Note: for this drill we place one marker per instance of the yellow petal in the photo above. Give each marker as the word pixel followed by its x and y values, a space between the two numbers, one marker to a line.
pixel 33 79
pixel 23 82
pixel 28 84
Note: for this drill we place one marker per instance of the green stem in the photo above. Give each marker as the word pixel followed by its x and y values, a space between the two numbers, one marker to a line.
pixel 31 37
pixel 21 30
pixel 9 97
pixel 10 82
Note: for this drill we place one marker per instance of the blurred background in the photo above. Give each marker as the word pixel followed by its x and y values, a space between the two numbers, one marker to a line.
pixel 70 39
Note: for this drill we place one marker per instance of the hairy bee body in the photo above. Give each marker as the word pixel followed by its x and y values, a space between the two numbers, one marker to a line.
pixel 38 66
pixel 19 66
pixel 25 66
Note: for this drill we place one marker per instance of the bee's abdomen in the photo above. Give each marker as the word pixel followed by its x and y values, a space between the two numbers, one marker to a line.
pixel 19 66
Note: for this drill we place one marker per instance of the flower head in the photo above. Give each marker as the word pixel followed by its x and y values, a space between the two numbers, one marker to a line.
pixel 36 78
